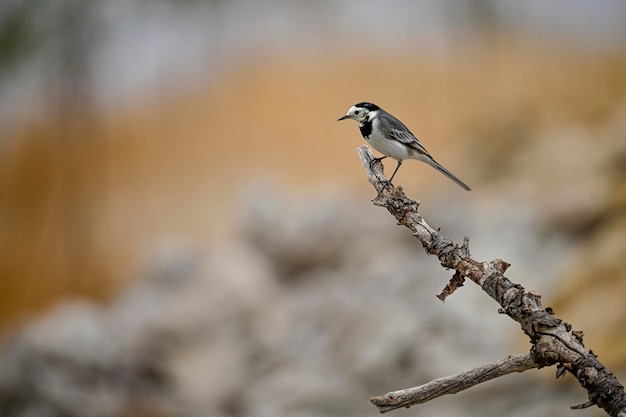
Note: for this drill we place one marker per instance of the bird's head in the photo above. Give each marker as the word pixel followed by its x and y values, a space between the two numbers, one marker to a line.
pixel 361 112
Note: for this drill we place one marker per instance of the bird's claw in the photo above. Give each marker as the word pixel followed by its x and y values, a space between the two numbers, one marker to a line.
pixel 386 184
pixel 375 160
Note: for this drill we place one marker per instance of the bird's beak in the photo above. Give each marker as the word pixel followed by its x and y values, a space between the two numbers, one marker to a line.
pixel 342 118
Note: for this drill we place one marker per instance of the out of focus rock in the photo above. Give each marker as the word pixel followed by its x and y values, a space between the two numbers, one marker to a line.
pixel 78 361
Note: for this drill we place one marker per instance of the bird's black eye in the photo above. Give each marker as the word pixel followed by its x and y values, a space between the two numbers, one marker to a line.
pixel 356 113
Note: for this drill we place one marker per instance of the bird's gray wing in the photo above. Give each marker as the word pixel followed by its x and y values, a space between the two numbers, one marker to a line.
pixel 406 137
pixel 398 131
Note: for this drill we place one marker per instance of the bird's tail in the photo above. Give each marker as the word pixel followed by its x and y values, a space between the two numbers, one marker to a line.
pixel 447 173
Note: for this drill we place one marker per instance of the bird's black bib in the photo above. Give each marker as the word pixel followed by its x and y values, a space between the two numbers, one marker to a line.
pixel 366 128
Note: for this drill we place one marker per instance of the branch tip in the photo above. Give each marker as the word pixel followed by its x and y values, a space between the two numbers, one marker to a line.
pixel 582 406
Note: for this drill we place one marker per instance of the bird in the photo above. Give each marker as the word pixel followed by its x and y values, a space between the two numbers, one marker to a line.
pixel 392 138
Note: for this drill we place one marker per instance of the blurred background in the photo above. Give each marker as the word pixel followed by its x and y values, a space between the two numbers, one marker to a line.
pixel 185 229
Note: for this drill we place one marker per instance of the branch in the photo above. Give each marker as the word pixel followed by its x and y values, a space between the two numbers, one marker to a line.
pixel 453 384
pixel 553 342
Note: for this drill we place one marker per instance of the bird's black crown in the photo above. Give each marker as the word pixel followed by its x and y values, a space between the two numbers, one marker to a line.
pixel 368 106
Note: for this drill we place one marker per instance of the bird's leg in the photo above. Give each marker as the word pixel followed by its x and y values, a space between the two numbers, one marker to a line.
pixel 373 161
pixel 388 182
pixel 396 170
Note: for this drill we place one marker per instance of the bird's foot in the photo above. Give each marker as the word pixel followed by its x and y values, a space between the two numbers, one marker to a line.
pixel 375 160
pixel 386 185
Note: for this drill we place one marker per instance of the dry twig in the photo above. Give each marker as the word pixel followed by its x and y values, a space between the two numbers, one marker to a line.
pixel 553 342
pixel 454 383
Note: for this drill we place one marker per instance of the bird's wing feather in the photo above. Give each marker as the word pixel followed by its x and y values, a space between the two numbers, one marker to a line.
pixel 398 131
pixel 408 139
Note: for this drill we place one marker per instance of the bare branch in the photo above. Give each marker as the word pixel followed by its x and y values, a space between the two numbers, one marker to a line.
pixel 552 340
pixel 453 384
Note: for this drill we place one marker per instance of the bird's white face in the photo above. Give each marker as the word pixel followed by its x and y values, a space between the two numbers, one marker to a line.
pixel 359 114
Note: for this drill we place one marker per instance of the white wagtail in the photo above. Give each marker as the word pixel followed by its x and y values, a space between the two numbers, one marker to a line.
pixel 391 137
